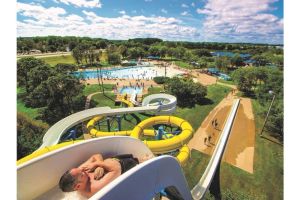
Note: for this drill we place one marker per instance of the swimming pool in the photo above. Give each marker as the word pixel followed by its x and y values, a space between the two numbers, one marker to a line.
pixel 224 76
pixel 131 90
pixel 139 72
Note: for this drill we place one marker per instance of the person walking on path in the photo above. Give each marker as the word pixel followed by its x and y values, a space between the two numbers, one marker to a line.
pixel 209 138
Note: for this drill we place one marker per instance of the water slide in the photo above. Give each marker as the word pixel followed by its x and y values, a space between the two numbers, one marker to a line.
pixel 34 182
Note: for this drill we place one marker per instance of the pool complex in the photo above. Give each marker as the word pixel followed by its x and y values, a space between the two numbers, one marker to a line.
pixel 128 73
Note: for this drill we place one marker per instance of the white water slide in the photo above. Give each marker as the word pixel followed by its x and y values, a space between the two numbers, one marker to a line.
pixel 53 135
pixel 38 178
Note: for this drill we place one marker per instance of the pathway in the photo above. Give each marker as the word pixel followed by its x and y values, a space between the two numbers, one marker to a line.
pixel 240 147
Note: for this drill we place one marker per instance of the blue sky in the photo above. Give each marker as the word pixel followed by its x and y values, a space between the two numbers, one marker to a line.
pixel 255 21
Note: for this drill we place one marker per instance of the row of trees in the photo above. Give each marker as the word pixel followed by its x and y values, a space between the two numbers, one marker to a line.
pixel 258 82
pixel 58 43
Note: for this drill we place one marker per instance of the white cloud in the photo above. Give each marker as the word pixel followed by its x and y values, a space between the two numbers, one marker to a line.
pixel 193 4
pixel 37 15
pixel 164 11
pixel 184 5
pixel 123 12
pixel 185 13
pixel 122 27
pixel 82 3
pixel 241 21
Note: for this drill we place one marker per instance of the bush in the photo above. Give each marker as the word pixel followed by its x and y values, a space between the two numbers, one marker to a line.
pixel 187 92
pixel 161 79
pixel 29 135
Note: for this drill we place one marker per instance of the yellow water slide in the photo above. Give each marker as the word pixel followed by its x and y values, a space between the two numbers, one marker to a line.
pixel 157 146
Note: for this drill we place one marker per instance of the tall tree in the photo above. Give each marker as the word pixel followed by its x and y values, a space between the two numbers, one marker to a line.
pixel 24 66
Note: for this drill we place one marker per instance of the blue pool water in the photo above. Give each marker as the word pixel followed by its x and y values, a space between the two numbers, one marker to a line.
pixel 124 73
pixel 224 76
pixel 131 90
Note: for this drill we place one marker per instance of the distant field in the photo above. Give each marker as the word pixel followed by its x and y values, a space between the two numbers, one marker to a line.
pixel 53 60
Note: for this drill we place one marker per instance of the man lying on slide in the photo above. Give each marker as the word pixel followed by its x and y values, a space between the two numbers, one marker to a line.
pixel 95 173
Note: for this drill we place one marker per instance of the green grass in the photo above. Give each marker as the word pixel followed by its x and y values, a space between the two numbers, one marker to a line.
pixel 32 113
pixel 53 60
pixel 154 90
pixel 226 82
pixel 105 100
pixel 89 89
pixel 183 64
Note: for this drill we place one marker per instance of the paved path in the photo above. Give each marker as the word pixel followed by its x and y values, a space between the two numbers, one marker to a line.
pixel 240 147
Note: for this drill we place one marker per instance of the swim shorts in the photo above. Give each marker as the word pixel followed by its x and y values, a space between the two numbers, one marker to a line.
pixel 127 161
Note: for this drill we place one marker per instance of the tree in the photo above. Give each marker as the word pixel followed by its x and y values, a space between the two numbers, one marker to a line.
pixel 237 60
pixel 77 54
pixel 24 65
pixel 122 49
pixel 187 92
pixel 65 68
pixel 136 52
pixel 114 58
pixel 60 95
pixel 246 79
pixel 202 52
pixel 260 60
pixel 222 63
pixel 154 51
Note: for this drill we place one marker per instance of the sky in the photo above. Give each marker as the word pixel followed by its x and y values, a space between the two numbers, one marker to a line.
pixel 248 21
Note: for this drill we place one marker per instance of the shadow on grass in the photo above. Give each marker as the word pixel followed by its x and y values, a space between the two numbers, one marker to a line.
pixel 189 104
pixel 271 140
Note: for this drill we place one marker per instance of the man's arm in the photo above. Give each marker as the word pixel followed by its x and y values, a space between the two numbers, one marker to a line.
pixel 106 179
pixel 92 159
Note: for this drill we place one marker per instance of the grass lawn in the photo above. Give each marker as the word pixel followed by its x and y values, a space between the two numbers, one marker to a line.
pixel 154 90
pixel 53 60
pixel 89 89
pixel 183 64
pixel 30 112
pixel 226 82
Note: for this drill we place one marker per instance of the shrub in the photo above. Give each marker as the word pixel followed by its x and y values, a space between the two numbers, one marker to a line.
pixel 161 79
pixel 187 92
